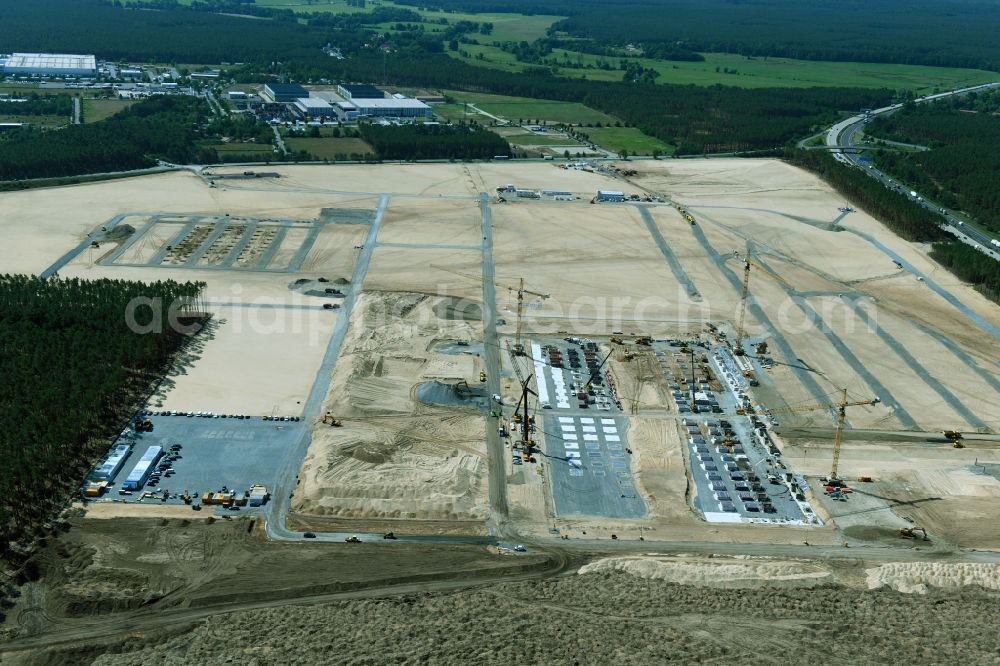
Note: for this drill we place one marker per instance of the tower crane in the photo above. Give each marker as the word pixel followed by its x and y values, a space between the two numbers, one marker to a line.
pixel 527 444
pixel 521 291
pixel 841 408
pixel 741 319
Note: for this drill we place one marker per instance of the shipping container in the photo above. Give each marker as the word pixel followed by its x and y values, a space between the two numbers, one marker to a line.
pixel 137 477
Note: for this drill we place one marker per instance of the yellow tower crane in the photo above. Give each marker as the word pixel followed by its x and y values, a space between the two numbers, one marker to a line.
pixel 521 291
pixel 741 319
pixel 841 408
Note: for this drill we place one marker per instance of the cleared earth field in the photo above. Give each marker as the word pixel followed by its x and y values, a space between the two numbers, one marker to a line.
pixel 398 366
pixel 825 276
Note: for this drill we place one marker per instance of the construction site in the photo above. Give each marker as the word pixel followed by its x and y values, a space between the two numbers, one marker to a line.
pixel 725 354
pixel 722 343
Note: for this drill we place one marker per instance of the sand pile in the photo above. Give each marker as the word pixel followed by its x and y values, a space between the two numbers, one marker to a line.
pixel 919 577
pixel 715 572
pixel 395 456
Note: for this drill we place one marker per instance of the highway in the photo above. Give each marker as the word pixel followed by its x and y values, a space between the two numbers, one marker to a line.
pixel 842 135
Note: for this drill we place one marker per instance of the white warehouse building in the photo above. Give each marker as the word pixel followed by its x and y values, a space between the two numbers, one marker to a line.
pixel 383 108
pixel 50 64
pixel 314 107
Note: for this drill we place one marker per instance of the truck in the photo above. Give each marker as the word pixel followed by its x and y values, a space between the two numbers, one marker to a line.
pixel 913 194
pixel 995 243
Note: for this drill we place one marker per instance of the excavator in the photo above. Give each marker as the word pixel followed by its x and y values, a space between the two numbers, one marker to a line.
pixel 911 533
pixel 335 423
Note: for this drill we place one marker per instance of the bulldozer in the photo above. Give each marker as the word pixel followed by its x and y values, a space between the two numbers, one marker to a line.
pixel 335 423
pixel 912 533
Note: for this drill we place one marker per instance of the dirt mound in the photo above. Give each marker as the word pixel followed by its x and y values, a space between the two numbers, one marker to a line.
pixel 920 577
pixel 872 533
pixel 452 395
pixel 118 233
pixel 716 572
pixel 409 447
pixel 458 309
pixel 370 451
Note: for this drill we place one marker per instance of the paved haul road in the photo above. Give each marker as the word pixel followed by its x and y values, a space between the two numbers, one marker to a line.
pixel 842 135
pixel 277 508
pixel 491 356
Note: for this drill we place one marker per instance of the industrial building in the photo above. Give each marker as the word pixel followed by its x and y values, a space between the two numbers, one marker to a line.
pixel 609 195
pixel 314 107
pixel 50 64
pixel 113 464
pixel 361 91
pixel 382 108
pixel 137 477
pixel 283 92
pixel 367 101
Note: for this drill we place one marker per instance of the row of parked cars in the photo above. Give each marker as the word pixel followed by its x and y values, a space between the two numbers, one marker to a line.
pixel 165 468
pixel 213 415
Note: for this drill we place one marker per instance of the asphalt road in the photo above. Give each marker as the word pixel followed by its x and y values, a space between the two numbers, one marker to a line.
pixel 491 356
pixel 277 508
pixel 842 135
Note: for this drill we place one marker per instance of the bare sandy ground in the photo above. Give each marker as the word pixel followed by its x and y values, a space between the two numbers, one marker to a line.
pixel 603 272
pixel 396 457
pixel 766 572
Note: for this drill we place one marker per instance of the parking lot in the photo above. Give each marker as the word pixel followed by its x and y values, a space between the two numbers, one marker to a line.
pixel 584 432
pixel 737 478
pixel 214 452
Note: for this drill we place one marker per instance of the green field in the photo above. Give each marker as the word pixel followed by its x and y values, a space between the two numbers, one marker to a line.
pixel 530 139
pixel 230 149
pixel 99 109
pixel 516 109
pixel 37 121
pixel 506 26
pixel 627 138
pixel 746 72
pixel 329 148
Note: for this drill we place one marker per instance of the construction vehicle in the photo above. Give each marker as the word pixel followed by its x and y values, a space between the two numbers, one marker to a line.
pixel 335 423
pixel 864 479
pixel 353 539
pixel 911 533
pixel 521 291
pixel 841 409
pixel 482 376
pixel 617 340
